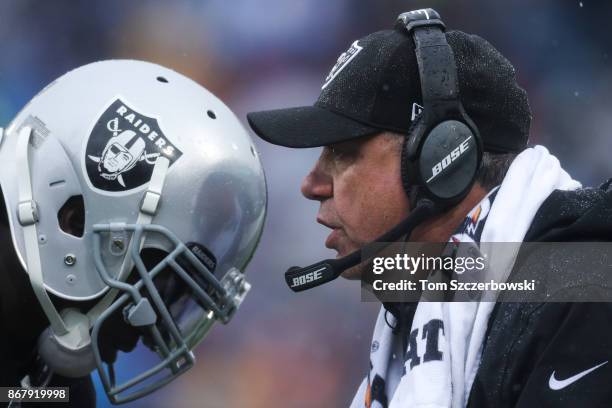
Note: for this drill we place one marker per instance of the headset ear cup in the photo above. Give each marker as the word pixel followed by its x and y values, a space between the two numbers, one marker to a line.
pixel 448 159
pixel 426 153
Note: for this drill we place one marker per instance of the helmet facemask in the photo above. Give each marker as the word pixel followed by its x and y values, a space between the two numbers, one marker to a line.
pixel 174 302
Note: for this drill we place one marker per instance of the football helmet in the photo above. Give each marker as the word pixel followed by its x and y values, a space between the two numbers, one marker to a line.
pixel 114 159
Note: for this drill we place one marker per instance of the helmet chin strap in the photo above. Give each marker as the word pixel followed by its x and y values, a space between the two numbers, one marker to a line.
pixel 27 215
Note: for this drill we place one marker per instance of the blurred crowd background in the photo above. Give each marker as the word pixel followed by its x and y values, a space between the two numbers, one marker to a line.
pixel 309 349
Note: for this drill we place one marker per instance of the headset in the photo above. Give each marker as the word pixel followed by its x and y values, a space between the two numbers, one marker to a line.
pixel 441 153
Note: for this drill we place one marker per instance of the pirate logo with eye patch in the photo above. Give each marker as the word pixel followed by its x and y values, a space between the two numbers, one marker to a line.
pixel 123 147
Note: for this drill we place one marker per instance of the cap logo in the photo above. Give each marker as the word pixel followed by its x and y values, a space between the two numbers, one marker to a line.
pixel 122 149
pixel 343 61
pixel 420 11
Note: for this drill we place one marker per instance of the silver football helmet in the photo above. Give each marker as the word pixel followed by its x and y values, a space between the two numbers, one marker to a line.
pixel 114 159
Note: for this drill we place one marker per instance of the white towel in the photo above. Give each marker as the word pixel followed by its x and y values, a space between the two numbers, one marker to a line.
pixel 507 213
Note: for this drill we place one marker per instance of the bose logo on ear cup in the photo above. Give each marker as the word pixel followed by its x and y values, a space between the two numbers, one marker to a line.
pixel 449 158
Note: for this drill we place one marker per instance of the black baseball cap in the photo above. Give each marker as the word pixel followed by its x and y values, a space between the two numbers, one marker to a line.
pixel 374 86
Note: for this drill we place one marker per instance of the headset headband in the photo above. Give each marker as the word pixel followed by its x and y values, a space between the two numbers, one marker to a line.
pixel 437 69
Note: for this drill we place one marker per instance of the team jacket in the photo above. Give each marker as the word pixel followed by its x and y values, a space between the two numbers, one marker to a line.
pixel 549 354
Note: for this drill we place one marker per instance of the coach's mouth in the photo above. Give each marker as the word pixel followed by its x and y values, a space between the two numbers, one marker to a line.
pixel 332 239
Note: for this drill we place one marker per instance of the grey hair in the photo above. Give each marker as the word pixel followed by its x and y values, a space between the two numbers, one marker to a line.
pixel 494 168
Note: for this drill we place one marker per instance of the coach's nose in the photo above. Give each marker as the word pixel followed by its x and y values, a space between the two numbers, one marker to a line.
pixel 318 184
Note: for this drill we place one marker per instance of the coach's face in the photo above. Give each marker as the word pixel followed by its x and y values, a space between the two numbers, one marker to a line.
pixel 358 184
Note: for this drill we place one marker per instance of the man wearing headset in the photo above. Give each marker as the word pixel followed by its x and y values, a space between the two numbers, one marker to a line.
pixel 425 137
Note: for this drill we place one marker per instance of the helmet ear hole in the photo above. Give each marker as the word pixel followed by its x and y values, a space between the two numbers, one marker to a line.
pixel 71 216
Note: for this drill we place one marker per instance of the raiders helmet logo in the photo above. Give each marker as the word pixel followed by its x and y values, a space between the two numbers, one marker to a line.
pixel 123 147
